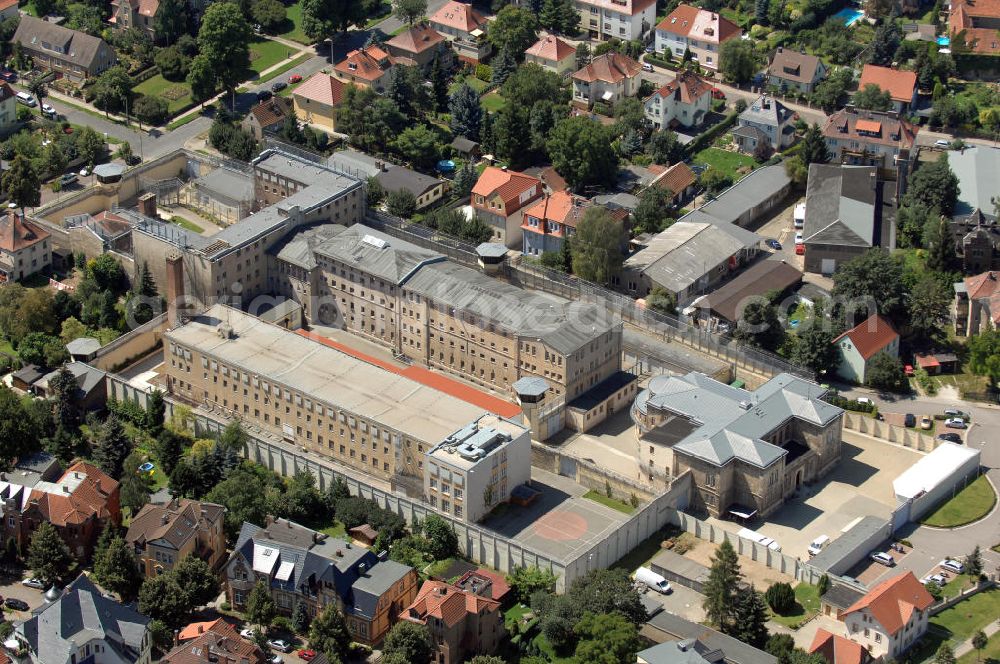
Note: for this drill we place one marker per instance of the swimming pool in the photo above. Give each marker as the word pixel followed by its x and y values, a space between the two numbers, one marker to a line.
pixel 849 16
pixel 944 41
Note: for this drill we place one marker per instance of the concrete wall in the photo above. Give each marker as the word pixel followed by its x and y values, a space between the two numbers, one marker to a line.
pixel 129 347
pixel 890 433
pixel 588 473
pixel 946 490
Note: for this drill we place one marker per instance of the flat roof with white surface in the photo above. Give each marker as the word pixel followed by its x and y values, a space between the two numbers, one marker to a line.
pixel 325 374
pixel 937 468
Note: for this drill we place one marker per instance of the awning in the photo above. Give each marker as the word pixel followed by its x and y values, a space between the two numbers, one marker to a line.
pixel 742 512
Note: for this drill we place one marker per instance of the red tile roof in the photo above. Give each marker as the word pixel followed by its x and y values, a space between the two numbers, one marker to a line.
pixel 323 89
pixel 871 336
pixel 369 63
pixel 701 24
pixel 459 16
pixel 220 644
pixel 893 602
pixel 197 628
pixel 7 4
pixel 609 68
pixel 677 178
pixel 498 582
pixel 446 603
pixel 969 25
pixel 507 184
pixel 982 285
pixel 551 48
pixel 836 649
pixel 270 112
pixel 688 85
pixel 894 132
pixel 6 92
pixel 17 233
pixel 899 84
pixel 89 499
pixel 429 378
pixel 417 39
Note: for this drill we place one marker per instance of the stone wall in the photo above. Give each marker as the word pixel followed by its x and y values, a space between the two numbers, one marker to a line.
pixel 589 474
pixel 910 438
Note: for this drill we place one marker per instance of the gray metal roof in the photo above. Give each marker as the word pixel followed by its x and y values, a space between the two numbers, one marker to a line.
pixel 679 256
pixel 766 110
pixel 83 346
pixel 846 545
pixel 752 190
pixel 397 178
pixel 357 163
pixel 841 206
pixel 976 168
pixel 299 246
pixel 80 615
pixel 562 324
pixel 229 183
pixel 687 651
pixel 841 595
pixel 376 253
pixel 109 170
pixel 491 250
pixel 733 650
pixel 530 386
pixel 722 423
pixel 87 377
pixel 374 583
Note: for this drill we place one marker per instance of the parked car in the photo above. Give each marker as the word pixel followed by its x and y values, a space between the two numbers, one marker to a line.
pixel 67 179
pixel 933 578
pixel 33 583
pixel 278 86
pixel 264 95
pixel 16 604
pixel 954 412
pixel 798 238
pixel 941 143
pixel 84 172
pixel 295 78
pixel 953 566
pixel 275 659
pixel 882 558
pixel 774 244
pixel 248 633
pixel 280 645
pixel 8 75
pixel 48 111
pixel 800 249
pixel 909 420
pixel 307 655
pixel 26 99
pixel 865 401
pixel 647 67
pixel 652 580
pixel 955 423
pixel 926 422
pixel 950 437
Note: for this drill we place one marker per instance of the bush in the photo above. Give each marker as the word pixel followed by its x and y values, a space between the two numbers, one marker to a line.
pixel 151 109
pixel 282 624
pixel 823 585
pixel 173 64
pixel 484 73
pixel 781 598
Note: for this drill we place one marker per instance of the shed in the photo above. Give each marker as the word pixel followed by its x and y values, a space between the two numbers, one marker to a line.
pixel 465 146
pixel 364 534
pixel 26 377
pixel 83 349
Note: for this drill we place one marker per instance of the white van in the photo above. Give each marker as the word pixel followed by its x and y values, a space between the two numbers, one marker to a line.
pixel 817 545
pixel 763 540
pixel 799 216
pixel 26 99
pixel 653 580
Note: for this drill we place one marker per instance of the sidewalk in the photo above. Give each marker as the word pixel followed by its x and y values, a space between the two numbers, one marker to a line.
pixel 966 646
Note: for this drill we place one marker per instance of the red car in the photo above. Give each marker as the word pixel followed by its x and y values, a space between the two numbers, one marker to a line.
pixel 718 94
pixel 307 655
pixel 800 249
pixel 294 78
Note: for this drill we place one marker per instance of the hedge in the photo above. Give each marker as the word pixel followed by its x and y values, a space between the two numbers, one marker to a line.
pixel 704 139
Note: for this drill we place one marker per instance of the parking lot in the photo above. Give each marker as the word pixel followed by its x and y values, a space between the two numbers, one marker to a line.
pixel 868 571
pixel 860 485
pixel 780 227
pixel 12 587
pixel 681 601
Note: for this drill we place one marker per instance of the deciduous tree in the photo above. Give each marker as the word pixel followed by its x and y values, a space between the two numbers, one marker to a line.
pixel 737 60
pixel 606 638
pixel 873 98
pixel 48 556
pixel 261 608
pixel 21 184
pixel 597 254
pixel 322 18
pixel 328 632
pixel 581 152
pixel 409 11
pixel 514 29
pixel 885 372
pixel 409 642
pixel 224 38
pixel 984 355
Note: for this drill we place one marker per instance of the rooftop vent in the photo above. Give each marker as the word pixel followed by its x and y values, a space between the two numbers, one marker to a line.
pixel 373 241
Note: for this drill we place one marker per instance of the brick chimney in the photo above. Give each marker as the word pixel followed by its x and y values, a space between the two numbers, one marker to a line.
pixel 175 287
pixel 147 204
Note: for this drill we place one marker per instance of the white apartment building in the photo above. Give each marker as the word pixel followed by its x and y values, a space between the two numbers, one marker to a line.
pixel 698 30
pixel 624 19
pixel 890 618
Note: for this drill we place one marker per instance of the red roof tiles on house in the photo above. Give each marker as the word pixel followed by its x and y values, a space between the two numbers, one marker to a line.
pixel 323 89
pixel 893 602
pixel 17 233
pixel 447 603
pixel 6 92
pixel 688 21
pixel 836 649
pixel 459 16
pixel 87 500
pixel 609 68
pixel 982 285
pixel 688 85
pixel 551 48
pixel 677 178
pixel 871 336
pixel 899 84
pixel 971 26
pixel 417 39
pixel 369 63
pixel 507 184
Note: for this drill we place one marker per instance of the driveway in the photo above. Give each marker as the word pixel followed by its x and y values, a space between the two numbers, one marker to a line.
pixel 11 587
pixel 682 601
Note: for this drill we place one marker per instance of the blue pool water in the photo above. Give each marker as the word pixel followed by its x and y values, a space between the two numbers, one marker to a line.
pixel 446 166
pixel 944 41
pixel 849 16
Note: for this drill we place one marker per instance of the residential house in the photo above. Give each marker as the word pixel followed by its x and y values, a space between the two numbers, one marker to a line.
pixel 552 53
pixel 871 138
pixel 141 15
pixel 465 27
pixel 162 535
pixel 679 640
pixel 91 392
pixel 977 241
pixel 623 19
pixel 369 67
pixel 836 649
pixel 302 566
pixel 8 108
pixel 861 343
pixel 418 46
pixel 267 116
pixel 683 102
pixel 25 247
pixel 973 26
pixel 687 260
pixel 75 55
pixel 215 642
pixel 747 451
pixel 316 101
pixel 686 651
pixel 83 625
pixel 425 189
pixel 699 31
pixel 550 221
pixel 890 618
pixel 849 210
pixel 977 304
pixel 462 624
pixel 678 179
pixel 608 78
pixel 901 85
pixel 766 125
pixel 724 306
pixel 9 9
pixel 486 583
pixel 500 198
pixel 794 71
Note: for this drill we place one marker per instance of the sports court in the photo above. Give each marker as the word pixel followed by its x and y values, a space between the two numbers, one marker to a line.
pixel 561 523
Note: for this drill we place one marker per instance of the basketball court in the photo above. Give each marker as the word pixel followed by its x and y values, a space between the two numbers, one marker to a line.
pixel 561 523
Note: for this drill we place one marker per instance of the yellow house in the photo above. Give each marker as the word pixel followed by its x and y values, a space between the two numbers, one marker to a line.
pixel 316 101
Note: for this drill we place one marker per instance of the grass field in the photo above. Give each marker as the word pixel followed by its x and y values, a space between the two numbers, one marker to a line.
pixel 336 530
pixel 185 224
pixel 970 504
pixel 806 606
pixel 471 81
pixel 293 24
pixel 177 95
pixel 724 160
pixel 493 102
pixel 265 53
pixel 970 615
pixel 955 586
pixel 613 503
pixel 990 654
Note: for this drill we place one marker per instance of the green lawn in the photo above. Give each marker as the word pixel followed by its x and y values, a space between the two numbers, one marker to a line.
pixel 283 68
pixel 955 586
pixel 383 13
pixel 265 53
pixel 184 223
pixel 493 102
pixel 965 618
pixel 990 654
pixel 970 504
pixel 550 653
pixel 724 160
pixel 191 117
pixel 806 606
pixel 293 24
pixel 471 81
pixel 613 503
pixel 337 530
pixel 177 95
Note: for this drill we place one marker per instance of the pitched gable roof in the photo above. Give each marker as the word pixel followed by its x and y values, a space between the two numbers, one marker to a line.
pixel 893 602
pixel 271 112
pixel 459 16
pixel 849 123
pixel 368 63
pixel 83 492
pixel 899 84
pixel 688 87
pixel 870 336
pixel 416 39
pixel 447 603
pixel 6 92
pixel 609 68
pixel 323 89
pixel 215 642
pixel 837 649
pixel 676 179
pixel 701 24
pixel 982 285
pixel 76 47
pixel 174 523
pixel 551 48
pixel 507 184
pixel 792 65
pixel 17 233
